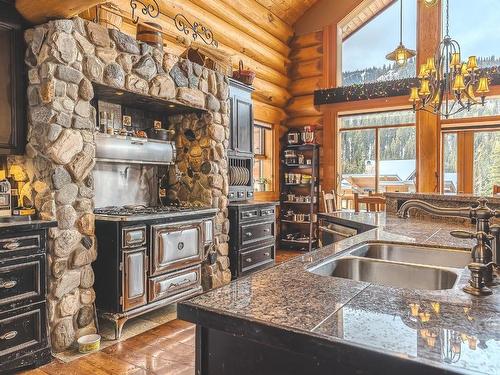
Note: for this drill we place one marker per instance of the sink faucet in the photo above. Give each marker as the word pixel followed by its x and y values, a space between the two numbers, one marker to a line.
pixel 485 254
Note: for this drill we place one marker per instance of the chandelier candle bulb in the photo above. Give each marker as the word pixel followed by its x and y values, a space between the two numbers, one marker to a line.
pixel 423 71
pixel 458 84
pixel 470 93
pixel 414 95
pixel 472 64
pixel 430 65
pixel 424 88
pixel 483 86
pixel 464 70
pixel 437 98
pixel 455 60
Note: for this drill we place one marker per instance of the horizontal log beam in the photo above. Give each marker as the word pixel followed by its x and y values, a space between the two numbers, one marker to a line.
pixel 307 40
pixel 267 113
pixel 302 106
pixel 226 33
pixel 39 11
pixel 298 122
pixel 307 69
pixel 305 86
pixel 306 53
pixel 270 94
pixel 249 27
pixel 261 16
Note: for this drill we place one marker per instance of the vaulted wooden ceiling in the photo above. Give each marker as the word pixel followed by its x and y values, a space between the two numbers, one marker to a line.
pixel 288 10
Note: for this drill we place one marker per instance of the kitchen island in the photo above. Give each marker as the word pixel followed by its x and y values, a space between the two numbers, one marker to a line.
pixel 287 320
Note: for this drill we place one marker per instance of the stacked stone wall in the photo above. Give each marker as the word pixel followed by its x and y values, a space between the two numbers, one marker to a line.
pixel 64 58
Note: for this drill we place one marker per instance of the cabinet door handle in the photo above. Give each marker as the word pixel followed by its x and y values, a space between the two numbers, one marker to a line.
pixel 175 285
pixel 267 230
pixel 8 335
pixel 248 234
pixel 8 284
pixel 12 245
pixel 266 254
pixel 248 260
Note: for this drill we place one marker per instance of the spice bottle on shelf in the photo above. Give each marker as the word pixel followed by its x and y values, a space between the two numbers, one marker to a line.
pixel 111 123
pixel 5 207
pixel 103 121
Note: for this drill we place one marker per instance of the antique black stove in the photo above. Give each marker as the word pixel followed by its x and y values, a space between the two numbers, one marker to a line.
pixel 148 257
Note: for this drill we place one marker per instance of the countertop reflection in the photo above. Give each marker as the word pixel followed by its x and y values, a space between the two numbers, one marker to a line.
pixel 447 329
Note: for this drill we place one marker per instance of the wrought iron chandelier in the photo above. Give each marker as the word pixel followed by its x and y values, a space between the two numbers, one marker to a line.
pixel 401 54
pixel 447 85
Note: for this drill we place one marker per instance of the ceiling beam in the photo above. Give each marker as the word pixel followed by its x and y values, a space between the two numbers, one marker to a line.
pixel 41 11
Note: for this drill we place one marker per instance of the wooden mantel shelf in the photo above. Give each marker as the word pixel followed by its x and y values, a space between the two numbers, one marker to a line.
pixel 41 11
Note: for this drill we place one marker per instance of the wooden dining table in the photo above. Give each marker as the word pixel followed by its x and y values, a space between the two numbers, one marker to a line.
pixel 374 202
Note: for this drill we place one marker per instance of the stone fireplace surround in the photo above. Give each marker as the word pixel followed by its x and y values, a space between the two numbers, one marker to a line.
pixel 63 58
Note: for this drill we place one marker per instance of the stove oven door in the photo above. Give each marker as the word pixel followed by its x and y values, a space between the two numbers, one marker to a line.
pixel 134 282
pixel 176 246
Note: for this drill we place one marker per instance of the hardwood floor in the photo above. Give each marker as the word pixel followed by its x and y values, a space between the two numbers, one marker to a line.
pixel 285 255
pixel 164 350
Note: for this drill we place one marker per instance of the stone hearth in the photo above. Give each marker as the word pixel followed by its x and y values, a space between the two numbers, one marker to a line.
pixel 64 57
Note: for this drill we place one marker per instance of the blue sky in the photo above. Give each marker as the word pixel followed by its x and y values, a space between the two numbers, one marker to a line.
pixel 474 24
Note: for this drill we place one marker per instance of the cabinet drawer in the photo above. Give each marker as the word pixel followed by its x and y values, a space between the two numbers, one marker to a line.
pixel 251 233
pixel 246 215
pixel 16 245
pixel 133 237
pixel 22 331
pixel 258 257
pixel 268 212
pixel 174 283
pixel 21 279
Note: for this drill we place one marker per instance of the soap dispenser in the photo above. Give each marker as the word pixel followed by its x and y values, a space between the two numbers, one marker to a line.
pixel 5 208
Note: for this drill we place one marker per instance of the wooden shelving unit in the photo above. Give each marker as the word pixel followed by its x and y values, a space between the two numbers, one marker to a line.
pixel 307 230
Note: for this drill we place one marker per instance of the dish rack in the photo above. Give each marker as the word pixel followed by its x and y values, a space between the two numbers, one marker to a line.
pixel 240 178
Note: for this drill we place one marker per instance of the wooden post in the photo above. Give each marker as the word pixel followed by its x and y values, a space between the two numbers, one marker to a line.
pixel 330 134
pixel 428 125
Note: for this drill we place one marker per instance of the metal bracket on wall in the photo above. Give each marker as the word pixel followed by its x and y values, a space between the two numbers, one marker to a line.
pixel 151 10
pixel 196 29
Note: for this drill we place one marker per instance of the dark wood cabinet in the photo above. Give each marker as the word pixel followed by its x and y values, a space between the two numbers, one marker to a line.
pixel 23 312
pixel 12 81
pixel 241 136
pixel 252 237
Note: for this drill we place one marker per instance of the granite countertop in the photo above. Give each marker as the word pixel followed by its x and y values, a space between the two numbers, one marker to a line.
pixel 465 198
pixel 347 313
pixel 253 203
pixel 18 224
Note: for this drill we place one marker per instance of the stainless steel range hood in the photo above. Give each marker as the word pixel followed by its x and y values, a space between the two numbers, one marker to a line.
pixel 120 149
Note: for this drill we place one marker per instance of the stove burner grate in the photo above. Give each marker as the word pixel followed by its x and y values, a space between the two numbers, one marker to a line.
pixel 138 210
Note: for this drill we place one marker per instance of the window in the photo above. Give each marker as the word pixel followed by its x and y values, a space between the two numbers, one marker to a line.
pixel 378 152
pixel 264 150
pixel 486 162
pixel 364 50
pixel 450 163
pixel 471 161
pixel 475 38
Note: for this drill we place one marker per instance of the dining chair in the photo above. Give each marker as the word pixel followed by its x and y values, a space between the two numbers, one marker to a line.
pixel 329 201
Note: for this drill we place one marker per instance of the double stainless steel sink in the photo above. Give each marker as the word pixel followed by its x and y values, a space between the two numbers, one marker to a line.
pixel 398 265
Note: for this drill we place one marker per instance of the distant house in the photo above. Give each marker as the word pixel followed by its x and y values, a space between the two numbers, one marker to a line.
pixel 394 175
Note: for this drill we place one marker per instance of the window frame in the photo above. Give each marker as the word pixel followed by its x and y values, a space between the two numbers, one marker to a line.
pixel 376 128
pixel 465 154
pixel 273 156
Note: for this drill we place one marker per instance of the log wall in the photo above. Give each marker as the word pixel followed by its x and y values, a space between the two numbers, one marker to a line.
pixel 306 75
pixel 245 30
